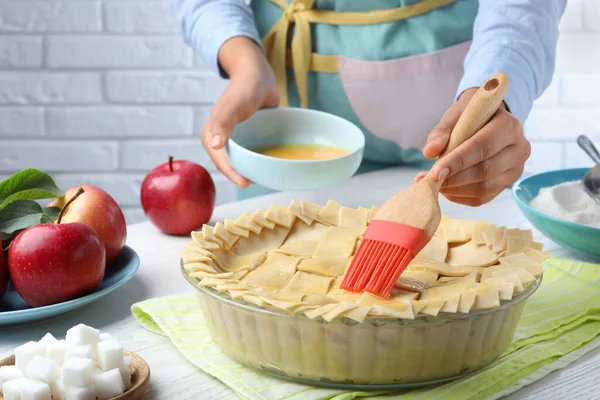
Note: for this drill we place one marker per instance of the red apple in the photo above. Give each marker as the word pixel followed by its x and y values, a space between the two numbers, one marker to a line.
pixel 3 273
pixel 178 196
pixel 99 210
pixel 52 263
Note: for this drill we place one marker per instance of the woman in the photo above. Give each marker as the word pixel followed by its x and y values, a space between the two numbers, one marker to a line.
pixel 402 70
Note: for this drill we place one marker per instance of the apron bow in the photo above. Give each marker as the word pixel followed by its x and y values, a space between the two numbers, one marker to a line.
pixel 297 6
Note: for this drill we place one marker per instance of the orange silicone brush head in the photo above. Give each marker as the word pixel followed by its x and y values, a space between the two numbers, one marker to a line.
pixel 384 252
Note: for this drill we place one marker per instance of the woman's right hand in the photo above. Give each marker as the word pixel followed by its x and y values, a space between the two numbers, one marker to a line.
pixel 251 87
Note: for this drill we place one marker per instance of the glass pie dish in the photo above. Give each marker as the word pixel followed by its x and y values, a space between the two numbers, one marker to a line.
pixel 379 353
pixel 441 329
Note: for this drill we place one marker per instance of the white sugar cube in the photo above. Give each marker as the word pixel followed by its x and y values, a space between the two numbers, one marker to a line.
pixel 110 355
pixel 8 373
pixel 25 353
pixel 48 338
pixel 86 393
pixel 11 390
pixel 107 337
pixel 79 351
pixel 43 369
pixel 57 350
pixel 126 372
pixel 82 334
pixel 77 372
pixel 58 391
pixel 96 371
pixel 35 390
pixel 109 384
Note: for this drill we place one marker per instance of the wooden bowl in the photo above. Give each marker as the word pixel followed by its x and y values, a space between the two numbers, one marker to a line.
pixel 140 376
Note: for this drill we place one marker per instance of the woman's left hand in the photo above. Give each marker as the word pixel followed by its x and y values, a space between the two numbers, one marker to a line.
pixel 483 166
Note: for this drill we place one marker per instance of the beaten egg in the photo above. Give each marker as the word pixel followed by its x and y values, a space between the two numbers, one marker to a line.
pixel 301 152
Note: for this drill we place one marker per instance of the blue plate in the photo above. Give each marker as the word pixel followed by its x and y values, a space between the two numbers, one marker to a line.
pixel 14 310
pixel 579 238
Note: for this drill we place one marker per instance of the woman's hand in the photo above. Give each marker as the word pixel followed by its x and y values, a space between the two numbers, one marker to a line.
pixel 483 166
pixel 251 87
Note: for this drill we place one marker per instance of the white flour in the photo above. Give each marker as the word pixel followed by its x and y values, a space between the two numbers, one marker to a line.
pixel 568 201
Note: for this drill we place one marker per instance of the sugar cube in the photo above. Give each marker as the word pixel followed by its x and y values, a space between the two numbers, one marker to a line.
pixel 96 371
pixel 58 391
pixel 25 353
pixel 110 355
pixel 80 351
pixel 43 369
pixel 109 384
pixel 44 342
pixel 126 372
pixel 86 393
pixel 77 372
pixel 48 338
pixel 82 334
pixel 57 351
pixel 35 390
pixel 107 337
pixel 8 373
pixel 11 390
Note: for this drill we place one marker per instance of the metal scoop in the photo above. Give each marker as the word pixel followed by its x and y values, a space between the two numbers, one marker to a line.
pixel 591 180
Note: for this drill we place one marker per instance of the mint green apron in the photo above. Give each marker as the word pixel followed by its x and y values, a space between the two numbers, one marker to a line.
pixel 393 79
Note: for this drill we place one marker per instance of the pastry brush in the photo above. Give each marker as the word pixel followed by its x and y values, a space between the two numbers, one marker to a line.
pixel 407 221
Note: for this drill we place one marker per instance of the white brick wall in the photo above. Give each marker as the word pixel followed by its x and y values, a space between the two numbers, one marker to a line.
pixel 101 91
pixel 50 16
pixel 119 121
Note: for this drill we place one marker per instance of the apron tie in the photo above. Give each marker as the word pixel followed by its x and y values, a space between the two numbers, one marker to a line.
pixel 276 41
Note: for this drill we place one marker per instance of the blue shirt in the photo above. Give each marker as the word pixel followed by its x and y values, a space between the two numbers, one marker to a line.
pixel 517 37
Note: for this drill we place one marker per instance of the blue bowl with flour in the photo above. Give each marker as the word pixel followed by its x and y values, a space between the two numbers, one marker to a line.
pixel 283 126
pixel 579 238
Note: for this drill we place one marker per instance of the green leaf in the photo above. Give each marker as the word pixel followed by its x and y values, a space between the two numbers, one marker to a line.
pixel 46 219
pixel 28 194
pixel 52 212
pixel 29 184
pixel 19 214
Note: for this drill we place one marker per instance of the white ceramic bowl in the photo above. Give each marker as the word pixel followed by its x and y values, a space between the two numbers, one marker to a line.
pixel 280 126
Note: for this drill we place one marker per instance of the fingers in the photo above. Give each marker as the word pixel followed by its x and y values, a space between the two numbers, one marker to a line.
pixel 473 201
pixel 228 111
pixel 502 131
pixel 436 141
pixel 484 188
pixel 219 158
pixel 439 136
pixel 486 169
pixel 419 176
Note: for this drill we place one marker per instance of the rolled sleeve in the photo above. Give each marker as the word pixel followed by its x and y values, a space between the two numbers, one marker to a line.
pixel 518 38
pixel 207 24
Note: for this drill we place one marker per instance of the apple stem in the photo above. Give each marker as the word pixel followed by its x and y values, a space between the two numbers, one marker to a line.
pixel 79 192
pixel 171 163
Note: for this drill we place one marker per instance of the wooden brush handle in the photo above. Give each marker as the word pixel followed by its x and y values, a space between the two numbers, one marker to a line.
pixel 481 108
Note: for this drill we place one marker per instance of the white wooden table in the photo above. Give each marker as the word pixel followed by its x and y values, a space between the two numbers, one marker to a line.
pixel 175 378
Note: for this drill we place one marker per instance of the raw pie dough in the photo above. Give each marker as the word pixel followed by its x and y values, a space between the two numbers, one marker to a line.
pixel 294 258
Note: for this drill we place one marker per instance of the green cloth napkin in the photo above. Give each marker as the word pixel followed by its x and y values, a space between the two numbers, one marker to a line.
pixel 560 323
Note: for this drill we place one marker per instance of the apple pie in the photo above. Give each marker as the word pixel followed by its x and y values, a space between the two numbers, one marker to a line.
pixel 269 283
